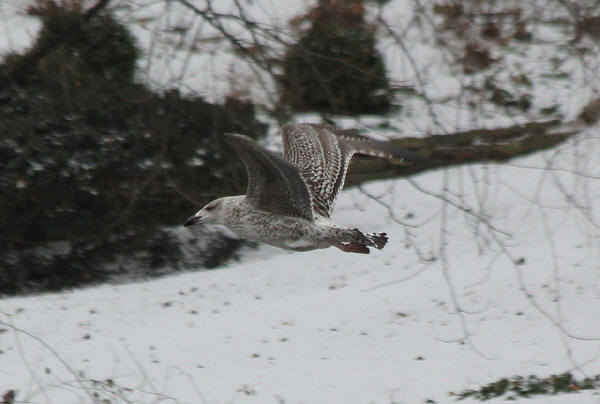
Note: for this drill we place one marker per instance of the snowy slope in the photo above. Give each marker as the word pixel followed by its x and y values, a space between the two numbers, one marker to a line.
pixel 329 327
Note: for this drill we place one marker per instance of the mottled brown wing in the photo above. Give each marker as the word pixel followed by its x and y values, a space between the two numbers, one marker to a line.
pixel 274 185
pixel 322 155
pixel 321 159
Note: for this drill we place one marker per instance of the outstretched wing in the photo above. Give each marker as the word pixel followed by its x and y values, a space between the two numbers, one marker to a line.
pixel 274 185
pixel 321 159
pixel 322 155
pixel 370 147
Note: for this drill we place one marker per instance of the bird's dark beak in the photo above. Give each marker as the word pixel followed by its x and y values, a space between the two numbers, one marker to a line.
pixel 192 220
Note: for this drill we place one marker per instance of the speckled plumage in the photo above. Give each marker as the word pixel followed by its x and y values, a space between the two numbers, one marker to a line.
pixel 290 199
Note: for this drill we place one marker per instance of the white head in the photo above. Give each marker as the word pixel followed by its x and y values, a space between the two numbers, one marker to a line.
pixel 212 212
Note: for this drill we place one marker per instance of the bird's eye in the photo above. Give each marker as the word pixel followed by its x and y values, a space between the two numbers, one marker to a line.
pixel 210 207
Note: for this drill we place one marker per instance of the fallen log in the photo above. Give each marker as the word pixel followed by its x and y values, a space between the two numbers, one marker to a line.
pixel 472 146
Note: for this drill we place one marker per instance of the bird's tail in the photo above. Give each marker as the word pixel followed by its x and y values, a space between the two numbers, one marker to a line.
pixel 359 242
pixel 379 240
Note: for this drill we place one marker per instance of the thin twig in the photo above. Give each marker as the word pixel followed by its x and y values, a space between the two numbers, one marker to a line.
pixel 16 330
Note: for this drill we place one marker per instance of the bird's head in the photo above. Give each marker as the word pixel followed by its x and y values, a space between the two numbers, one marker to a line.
pixel 212 212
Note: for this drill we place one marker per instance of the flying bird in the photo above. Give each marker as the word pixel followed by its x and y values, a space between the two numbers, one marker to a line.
pixel 290 198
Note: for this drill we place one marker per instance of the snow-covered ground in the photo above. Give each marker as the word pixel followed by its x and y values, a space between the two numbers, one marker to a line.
pixel 491 270
pixel 330 327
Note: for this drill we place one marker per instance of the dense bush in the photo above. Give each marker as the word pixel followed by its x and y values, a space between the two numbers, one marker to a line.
pixel 335 67
pixel 94 167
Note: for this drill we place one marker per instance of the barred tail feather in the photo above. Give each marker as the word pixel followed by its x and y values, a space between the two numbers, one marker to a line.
pixel 379 240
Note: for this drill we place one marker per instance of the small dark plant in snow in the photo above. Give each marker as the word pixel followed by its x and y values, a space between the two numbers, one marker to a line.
pixel 519 386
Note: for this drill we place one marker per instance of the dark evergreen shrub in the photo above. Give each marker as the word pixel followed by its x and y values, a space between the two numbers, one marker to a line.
pixel 95 168
pixel 98 47
pixel 335 67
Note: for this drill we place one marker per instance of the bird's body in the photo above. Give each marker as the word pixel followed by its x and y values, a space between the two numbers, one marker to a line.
pixel 290 199
pixel 292 233
pixel 287 232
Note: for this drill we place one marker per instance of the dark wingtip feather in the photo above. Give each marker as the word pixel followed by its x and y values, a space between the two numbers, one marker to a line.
pixel 377 148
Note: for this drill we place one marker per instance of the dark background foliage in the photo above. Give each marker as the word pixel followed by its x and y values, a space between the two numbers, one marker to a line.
pixel 97 171
pixel 335 67
pixel 95 167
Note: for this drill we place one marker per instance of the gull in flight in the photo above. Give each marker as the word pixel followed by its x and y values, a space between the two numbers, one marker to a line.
pixel 289 200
